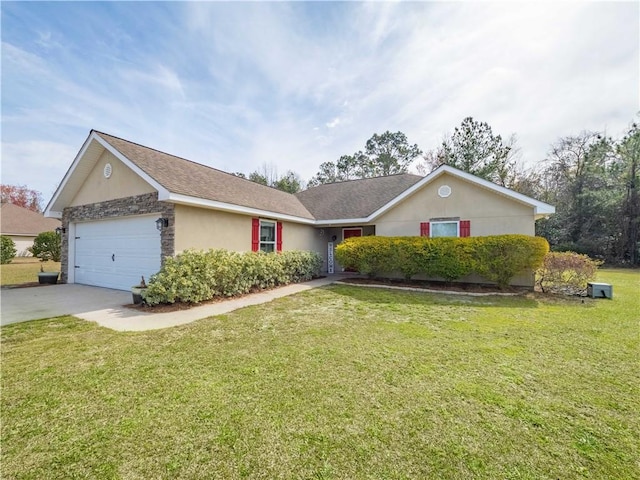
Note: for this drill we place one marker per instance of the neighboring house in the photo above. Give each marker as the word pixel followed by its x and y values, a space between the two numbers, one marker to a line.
pixel 23 226
pixel 124 207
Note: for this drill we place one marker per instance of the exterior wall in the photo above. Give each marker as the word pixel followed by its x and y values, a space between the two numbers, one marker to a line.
pixel 122 207
pixel 489 212
pixel 22 244
pixel 297 236
pixel 121 184
pixel 202 229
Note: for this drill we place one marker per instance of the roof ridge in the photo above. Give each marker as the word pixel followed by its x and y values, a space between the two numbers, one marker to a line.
pixel 361 179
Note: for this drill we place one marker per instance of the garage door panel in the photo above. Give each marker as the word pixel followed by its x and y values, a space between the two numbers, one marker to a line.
pixel 116 253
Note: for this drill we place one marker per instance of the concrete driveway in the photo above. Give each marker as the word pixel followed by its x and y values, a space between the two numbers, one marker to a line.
pixel 106 307
pixel 22 304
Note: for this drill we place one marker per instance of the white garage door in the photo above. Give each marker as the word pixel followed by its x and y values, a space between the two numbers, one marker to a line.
pixel 116 253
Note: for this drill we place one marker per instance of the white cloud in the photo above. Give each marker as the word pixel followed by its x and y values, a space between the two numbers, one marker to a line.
pixel 234 85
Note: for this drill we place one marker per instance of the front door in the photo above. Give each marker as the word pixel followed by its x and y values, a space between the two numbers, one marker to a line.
pixel 351 232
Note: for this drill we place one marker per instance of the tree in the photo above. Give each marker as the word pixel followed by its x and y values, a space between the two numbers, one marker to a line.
pixel 7 249
pixel 258 178
pixel 385 154
pixel 628 151
pixel 389 154
pixel 290 182
pixel 47 246
pixel 267 175
pixel 22 196
pixel 473 148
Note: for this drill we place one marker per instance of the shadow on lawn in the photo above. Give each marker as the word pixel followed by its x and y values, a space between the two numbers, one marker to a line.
pixel 392 296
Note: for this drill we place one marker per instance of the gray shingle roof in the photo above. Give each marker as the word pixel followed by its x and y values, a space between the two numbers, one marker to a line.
pixel 354 198
pixel 15 220
pixel 185 177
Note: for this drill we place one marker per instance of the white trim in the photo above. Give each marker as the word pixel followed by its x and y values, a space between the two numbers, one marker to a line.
pixel 431 222
pixel 352 228
pixel 65 179
pixel 540 209
pixel 229 207
pixel 94 136
pixel 275 234
pixel 141 173
pixel 71 253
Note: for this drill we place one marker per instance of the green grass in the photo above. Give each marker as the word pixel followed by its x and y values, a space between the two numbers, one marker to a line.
pixel 24 270
pixel 340 382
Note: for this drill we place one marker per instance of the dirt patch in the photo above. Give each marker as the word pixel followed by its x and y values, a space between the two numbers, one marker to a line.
pixel 434 285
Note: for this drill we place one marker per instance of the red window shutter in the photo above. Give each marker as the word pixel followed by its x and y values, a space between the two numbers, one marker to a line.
pixel 424 229
pixel 255 234
pixel 465 228
pixel 279 237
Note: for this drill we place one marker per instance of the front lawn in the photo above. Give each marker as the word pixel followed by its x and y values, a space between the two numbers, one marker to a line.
pixel 340 382
pixel 24 270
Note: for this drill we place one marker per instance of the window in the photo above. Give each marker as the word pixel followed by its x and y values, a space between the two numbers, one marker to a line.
pixel 446 228
pixel 267 236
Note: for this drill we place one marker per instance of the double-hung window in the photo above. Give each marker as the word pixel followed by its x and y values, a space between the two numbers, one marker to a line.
pixel 267 236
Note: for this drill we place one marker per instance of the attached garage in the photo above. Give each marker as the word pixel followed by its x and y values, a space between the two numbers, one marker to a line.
pixel 115 253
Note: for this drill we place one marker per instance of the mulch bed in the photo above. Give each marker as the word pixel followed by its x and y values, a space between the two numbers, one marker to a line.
pixel 434 285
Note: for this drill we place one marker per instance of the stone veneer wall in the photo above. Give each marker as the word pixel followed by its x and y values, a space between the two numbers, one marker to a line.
pixel 121 207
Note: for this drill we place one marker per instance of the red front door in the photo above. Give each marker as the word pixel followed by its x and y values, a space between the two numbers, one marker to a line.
pixel 351 232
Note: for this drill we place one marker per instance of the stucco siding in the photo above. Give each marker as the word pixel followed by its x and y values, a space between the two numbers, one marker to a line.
pixel 122 183
pixel 489 213
pixel 202 229
pixel 296 236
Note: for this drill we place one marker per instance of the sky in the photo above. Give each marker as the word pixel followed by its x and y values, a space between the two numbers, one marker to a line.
pixel 237 86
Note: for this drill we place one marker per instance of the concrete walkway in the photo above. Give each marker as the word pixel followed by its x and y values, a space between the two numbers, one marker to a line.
pixel 106 307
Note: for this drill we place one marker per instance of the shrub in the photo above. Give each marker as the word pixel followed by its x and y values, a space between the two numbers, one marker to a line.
pixel 368 255
pixel 497 258
pixel 47 246
pixel 7 249
pixel 566 272
pixel 195 276
pixel 501 257
pixel 449 258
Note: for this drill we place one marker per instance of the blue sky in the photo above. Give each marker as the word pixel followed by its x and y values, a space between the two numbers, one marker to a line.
pixel 293 84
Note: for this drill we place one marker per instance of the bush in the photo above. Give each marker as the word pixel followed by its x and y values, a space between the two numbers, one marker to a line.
pixel 566 272
pixel 370 255
pixel 7 249
pixel 497 258
pixel 448 258
pixel 47 246
pixel 195 276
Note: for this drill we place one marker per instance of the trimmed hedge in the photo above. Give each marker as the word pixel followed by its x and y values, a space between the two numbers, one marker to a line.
pixel 195 276
pixel 497 258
